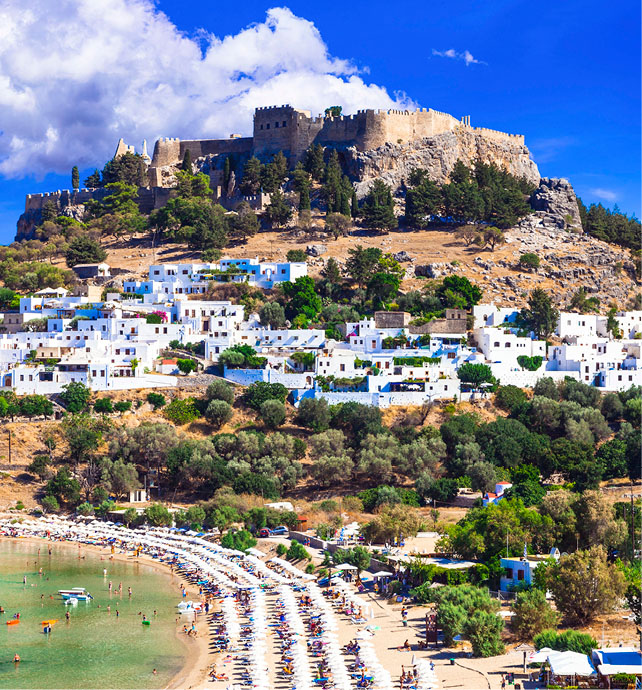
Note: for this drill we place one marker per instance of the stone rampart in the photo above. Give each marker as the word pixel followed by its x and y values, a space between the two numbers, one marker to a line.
pixel 293 131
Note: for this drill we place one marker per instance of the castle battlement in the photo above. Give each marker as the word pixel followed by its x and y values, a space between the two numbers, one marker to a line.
pixel 293 131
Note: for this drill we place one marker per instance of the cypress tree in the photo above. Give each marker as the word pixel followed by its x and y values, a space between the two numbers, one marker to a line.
pixel 187 162
pixel 354 205
pixel 75 177
pixel 345 205
pixel 226 172
pixel 304 199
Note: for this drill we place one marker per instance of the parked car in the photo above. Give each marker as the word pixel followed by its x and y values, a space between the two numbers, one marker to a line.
pixel 265 532
pixel 280 530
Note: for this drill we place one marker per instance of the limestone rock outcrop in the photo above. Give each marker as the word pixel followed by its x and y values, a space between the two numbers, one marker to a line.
pixel 393 163
pixel 555 206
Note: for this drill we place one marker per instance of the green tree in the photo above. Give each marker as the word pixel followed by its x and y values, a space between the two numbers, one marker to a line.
pixel 423 200
pixel 540 315
pixel 533 614
pixel 186 165
pixel 278 212
pixel 39 466
pixel 75 177
pixel 84 250
pixel 382 288
pixel 362 264
pixel 75 397
pixel 218 413
pixel 256 394
pixel 93 181
pixel 240 540
pixel 314 413
pixel 378 207
pixel 272 413
pixel 251 179
pixel 457 292
pixel 64 487
pixel 220 390
pixel 584 585
pixel 302 298
pixel 156 400
pixel 120 477
pixel 475 374
pixel 158 515
pixel 296 255
pixel 50 504
pixel 103 406
pixel 313 162
pixel 529 260
pixel 272 314
pixel 186 366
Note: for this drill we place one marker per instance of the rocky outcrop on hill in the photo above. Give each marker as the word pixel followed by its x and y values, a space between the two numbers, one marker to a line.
pixel 393 163
pixel 555 207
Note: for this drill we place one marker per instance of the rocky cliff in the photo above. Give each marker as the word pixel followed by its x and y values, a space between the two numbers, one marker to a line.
pixel 394 162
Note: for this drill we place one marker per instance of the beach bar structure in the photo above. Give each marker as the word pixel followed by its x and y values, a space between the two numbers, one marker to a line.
pixel 613 661
pixel 570 668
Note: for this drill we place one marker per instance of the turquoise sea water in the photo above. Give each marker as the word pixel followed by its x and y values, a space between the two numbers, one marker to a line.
pixel 95 648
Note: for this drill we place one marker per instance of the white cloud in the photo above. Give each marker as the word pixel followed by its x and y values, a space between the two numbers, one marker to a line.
pixel 75 80
pixel 606 194
pixel 547 150
pixel 466 56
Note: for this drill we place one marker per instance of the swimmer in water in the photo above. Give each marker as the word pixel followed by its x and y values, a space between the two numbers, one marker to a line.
pixel 16 658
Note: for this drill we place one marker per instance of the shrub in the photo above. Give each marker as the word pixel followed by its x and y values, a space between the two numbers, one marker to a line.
pixel 158 515
pixel 249 483
pixel 103 406
pixel 219 390
pixel 529 260
pixel 259 392
pixel 50 504
pixel 567 641
pixel 182 411
pixel 156 400
pixel 272 413
pixel 297 552
pixel 530 363
pixel 218 413
pixel 314 413
pixel 509 397
pixel 186 366
pixel 533 614
pixel 281 549
pixel 39 466
pixel 241 540
pixel 296 255
pixel 123 406
pixel 85 509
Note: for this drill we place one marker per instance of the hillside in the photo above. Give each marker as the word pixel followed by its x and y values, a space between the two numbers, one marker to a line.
pixel 569 260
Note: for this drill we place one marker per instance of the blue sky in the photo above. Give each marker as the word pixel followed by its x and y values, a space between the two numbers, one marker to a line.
pixel 564 74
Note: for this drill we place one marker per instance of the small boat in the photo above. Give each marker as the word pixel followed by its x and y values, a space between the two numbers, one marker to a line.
pixel 51 622
pixel 147 622
pixel 78 596
pixel 15 621
pixel 71 602
pixel 73 591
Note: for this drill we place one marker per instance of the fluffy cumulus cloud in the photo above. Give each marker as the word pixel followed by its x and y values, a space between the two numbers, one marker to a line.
pixel 453 54
pixel 75 80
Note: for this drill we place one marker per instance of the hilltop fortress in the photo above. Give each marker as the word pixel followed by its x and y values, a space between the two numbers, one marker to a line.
pixel 372 144
pixel 293 131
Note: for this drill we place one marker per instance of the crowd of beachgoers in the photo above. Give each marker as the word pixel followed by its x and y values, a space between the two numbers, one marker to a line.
pixel 270 624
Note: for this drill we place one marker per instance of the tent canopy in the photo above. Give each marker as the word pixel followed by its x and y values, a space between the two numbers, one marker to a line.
pixel 345 566
pixel 570 664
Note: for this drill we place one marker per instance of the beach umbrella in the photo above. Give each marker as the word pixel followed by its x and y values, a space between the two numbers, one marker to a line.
pixel 383 573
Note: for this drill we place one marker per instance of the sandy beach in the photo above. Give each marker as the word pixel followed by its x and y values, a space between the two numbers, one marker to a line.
pixel 198 659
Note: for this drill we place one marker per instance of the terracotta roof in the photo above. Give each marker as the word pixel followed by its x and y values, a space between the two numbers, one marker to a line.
pixel 169 361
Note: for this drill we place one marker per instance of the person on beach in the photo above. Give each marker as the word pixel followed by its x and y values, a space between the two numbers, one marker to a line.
pixel 24 580
pixel 117 613
pixel 67 615
pixel 129 592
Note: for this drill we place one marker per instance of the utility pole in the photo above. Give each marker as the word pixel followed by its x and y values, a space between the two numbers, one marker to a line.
pixel 9 432
pixel 632 525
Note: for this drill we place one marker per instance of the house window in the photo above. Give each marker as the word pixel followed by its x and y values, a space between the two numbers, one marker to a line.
pixel 284 123
pixel 509 573
pixel 342 367
pixel 506 344
pixel 267 126
pixel 496 344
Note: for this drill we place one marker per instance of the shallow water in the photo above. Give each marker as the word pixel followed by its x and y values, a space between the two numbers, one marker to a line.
pixel 96 648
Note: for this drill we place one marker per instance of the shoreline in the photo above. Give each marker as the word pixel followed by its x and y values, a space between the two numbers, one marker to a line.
pixel 194 671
